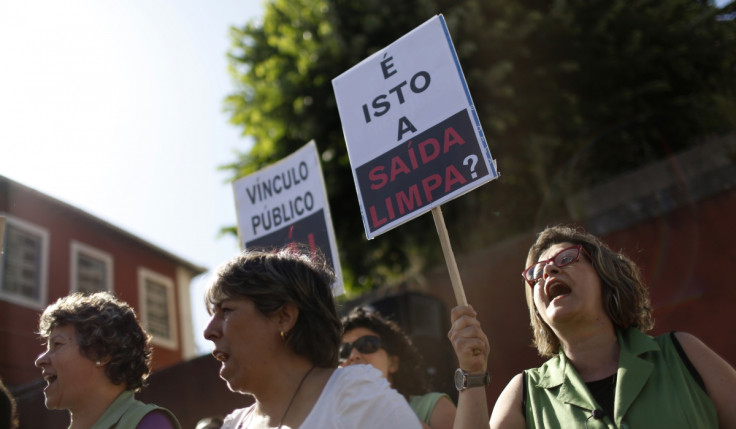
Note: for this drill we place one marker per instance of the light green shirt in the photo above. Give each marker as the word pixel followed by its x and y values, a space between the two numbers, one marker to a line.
pixel 126 412
pixel 423 405
pixel 654 390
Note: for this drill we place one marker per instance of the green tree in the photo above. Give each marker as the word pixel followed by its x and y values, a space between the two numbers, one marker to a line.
pixel 569 93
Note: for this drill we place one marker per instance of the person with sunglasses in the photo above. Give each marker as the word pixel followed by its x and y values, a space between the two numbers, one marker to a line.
pixel 276 332
pixel 369 338
pixel 589 309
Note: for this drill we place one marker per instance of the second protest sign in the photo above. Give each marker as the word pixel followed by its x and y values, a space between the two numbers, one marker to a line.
pixel 286 203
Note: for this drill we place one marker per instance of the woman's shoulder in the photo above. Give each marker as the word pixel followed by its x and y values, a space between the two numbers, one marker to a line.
pixel 424 405
pixel 355 381
pixel 552 366
pixel 358 383
pixel 158 419
pixel 236 417
pixel 355 391
pixel 358 374
pixel 431 397
pixel 510 406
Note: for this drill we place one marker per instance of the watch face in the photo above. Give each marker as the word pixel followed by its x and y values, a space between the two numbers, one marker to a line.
pixel 459 379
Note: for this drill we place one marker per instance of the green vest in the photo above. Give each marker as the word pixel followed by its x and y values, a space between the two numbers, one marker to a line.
pixel 654 390
pixel 423 405
pixel 126 412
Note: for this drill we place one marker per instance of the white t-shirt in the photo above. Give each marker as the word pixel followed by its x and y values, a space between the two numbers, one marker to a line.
pixel 355 397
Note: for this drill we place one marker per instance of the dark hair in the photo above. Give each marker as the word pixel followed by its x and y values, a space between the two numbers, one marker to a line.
pixel 8 409
pixel 291 274
pixel 625 296
pixel 106 328
pixel 409 379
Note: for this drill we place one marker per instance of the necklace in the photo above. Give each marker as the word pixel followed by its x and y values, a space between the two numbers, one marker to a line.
pixel 281 423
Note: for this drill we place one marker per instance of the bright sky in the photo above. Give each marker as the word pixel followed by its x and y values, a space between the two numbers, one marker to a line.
pixel 117 108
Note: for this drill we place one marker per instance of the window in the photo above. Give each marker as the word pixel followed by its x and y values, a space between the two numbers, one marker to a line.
pixel 24 264
pixel 91 269
pixel 158 312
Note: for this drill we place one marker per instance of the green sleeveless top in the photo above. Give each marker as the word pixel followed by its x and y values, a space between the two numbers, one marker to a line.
pixel 423 405
pixel 654 389
pixel 126 412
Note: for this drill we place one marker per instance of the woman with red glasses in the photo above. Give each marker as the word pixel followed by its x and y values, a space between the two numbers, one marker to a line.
pixel 589 309
pixel 369 338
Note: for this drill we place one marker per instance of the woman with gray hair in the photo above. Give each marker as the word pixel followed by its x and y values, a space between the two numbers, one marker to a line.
pixel 97 355
pixel 276 332
pixel 589 309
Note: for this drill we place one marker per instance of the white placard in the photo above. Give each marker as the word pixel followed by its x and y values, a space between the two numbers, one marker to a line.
pixel 413 136
pixel 286 203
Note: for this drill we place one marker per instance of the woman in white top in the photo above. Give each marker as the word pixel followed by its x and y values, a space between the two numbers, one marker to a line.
pixel 371 339
pixel 275 329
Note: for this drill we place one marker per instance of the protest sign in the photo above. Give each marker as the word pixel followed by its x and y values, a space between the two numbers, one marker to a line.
pixel 286 203
pixel 413 136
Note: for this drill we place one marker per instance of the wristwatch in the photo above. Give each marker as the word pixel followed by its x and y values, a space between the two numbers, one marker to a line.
pixel 463 380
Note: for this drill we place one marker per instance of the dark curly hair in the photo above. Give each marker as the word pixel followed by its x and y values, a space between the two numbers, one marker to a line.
pixel 271 278
pixel 625 296
pixel 106 328
pixel 409 379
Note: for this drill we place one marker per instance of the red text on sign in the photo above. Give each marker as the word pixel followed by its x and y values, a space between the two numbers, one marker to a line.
pixel 425 152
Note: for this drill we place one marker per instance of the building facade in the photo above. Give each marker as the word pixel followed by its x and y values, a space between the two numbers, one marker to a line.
pixel 51 249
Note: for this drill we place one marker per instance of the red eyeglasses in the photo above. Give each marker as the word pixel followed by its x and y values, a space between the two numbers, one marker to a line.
pixel 562 258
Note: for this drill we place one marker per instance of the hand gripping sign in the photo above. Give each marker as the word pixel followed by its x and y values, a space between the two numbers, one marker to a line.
pixel 413 136
pixel 286 203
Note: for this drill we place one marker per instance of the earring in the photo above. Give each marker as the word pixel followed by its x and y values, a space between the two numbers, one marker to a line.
pixel 283 336
pixel 98 363
pixel 616 307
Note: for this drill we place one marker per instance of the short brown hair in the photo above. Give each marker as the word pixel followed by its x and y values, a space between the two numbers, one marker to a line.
pixel 105 327
pixel 625 296
pixel 291 274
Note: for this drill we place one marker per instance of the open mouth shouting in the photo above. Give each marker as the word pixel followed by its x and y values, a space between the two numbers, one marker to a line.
pixel 221 356
pixel 49 378
pixel 556 289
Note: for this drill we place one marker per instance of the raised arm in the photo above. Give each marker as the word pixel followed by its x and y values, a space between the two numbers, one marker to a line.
pixel 472 349
pixel 719 377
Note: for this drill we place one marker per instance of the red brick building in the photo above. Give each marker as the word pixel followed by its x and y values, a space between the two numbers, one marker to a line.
pixel 50 249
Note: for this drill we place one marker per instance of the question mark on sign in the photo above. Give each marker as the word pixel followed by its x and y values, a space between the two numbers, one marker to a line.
pixel 471 159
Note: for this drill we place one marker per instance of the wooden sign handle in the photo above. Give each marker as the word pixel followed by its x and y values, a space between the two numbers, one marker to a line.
pixel 457 284
pixel 2 233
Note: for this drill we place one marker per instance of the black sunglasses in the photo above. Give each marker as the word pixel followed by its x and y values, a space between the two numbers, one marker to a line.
pixel 367 344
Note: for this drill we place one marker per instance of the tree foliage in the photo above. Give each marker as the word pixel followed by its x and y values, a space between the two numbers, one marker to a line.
pixel 569 93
